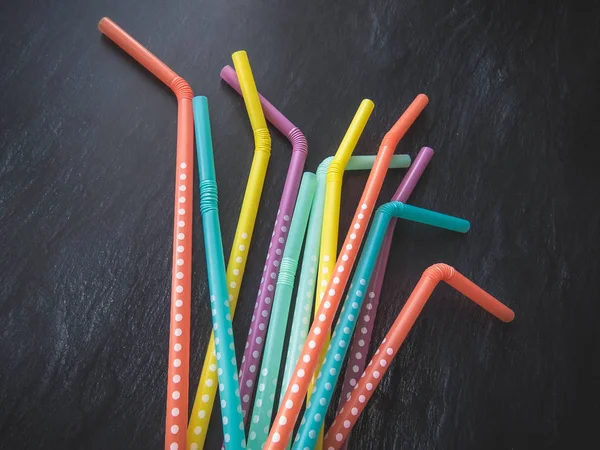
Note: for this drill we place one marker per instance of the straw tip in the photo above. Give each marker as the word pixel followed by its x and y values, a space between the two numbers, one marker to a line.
pixel 510 316
pixel 422 98
pixel 239 53
pixel 103 22
pixel 366 103
pixel 226 70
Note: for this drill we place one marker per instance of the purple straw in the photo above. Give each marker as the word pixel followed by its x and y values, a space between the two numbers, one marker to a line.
pixel 364 326
pixel 262 309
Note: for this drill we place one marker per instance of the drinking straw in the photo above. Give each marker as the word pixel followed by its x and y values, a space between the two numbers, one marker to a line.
pixel 260 318
pixel 327 379
pixel 231 406
pixel 366 318
pixel 292 401
pixel 267 382
pixel 179 337
pixel 308 271
pixel 207 387
pixel 371 377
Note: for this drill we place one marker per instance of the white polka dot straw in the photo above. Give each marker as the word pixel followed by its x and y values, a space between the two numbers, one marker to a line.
pixel 305 370
pixel 374 372
pixel 345 326
pixel 180 284
pixel 267 382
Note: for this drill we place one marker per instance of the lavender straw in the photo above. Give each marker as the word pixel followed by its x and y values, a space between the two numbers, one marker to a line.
pixel 364 327
pixel 262 309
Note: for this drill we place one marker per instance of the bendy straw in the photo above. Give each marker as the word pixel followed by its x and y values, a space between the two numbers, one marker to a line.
pixel 207 386
pixel 365 320
pixel 231 406
pixel 292 401
pixel 308 271
pixel 269 370
pixel 332 364
pixel 372 376
pixel 260 318
pixel 179 337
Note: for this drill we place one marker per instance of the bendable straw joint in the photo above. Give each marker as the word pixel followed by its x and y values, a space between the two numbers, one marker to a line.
pixel 392 209
pixel 262 138
pixel 296 137
pixel 209 198
pixel 440 272
pixel 181 88
pixel 336 171
pixel 324 166
pixel 287 271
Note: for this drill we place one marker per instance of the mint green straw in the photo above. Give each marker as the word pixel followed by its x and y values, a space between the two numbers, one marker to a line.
pixel 231 405
pixel 267 382
pixel 332 364
pixel 310 260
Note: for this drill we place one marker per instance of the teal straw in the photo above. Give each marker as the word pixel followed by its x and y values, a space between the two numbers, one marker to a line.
pixel 310 260
pixel 231 405
pixel 332 364
pixel 269 372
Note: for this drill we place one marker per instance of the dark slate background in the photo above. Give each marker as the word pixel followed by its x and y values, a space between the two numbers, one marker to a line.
pixel 87 152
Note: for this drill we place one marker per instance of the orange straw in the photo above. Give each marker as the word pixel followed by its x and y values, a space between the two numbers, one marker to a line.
pixel 292 402
pixel 179 338
pixel 371 377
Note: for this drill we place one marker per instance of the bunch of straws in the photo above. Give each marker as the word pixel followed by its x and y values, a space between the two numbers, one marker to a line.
pixel 308 216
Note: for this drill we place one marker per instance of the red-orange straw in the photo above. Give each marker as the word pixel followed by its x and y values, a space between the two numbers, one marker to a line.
pixel 179 341
pixel 349 414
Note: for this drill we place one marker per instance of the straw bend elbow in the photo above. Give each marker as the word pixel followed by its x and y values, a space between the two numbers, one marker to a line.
pixel 181 88
pixel 262 140
pixel 298 140
pixel 439 272
pixel 392 209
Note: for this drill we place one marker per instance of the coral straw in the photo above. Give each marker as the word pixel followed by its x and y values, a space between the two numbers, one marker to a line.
pixel 366 318
pixel 292 401
pixel 308 272
pixel 231 406
pixel 269 370
pixel 371 377
pixel 332 364
pixel 205 395
pixel 179 337
pixel 262 309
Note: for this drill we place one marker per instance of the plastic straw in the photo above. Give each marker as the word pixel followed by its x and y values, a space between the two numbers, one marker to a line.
pixel 179 337
pixel 308 271
pixel 327 379
pixel 269 370
pixel 360 343
pixel 260 319
pixel 207 386
pixel 389 347
pixel 292 401
pixel 231 406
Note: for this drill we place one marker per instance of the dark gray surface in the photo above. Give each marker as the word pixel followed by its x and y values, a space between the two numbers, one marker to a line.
pixel 87 151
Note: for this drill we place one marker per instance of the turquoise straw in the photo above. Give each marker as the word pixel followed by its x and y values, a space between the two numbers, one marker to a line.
pixel 231 405
pixel 269 372
pixel 332 364
pixel 310 260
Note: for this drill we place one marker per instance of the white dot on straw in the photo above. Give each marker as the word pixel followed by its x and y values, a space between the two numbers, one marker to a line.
pixel 198 430
pixel 174 446
pixel 376 374
pixel 354 411
pixel 179 289
pixel 276 437
pixel 363 206
pixel 174 429
pixel 179 303
pixel 339 437
pixel 347 424
pixel 181 199
pixel 177 363
pixel 175 395
pixel 183 165
pixel 178 317
pixel 176 379
pixel 361 398
pixel 180 248
pixel 177 347
pixel 301 373
pixel 317 330
pixel 306 358
pixel 178 332
pixel 175 412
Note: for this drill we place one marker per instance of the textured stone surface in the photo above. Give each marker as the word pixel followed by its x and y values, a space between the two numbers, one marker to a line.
pixel 87 152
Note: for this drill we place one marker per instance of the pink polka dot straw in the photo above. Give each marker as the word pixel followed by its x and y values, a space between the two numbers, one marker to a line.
pixel 364 323
pixel 284 422
pixel 262 309
pixel 371 377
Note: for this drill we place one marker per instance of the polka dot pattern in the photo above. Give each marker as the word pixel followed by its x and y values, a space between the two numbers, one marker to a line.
pixel 178 370
pixel 263 305
pixel 332 296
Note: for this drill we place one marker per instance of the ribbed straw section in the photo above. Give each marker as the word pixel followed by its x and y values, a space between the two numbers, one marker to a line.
pixel 324 167
pixel 439 272
pixel 287 270
pixel 298 140
pixel 208 196
pixel 181 88
pixel 262 140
